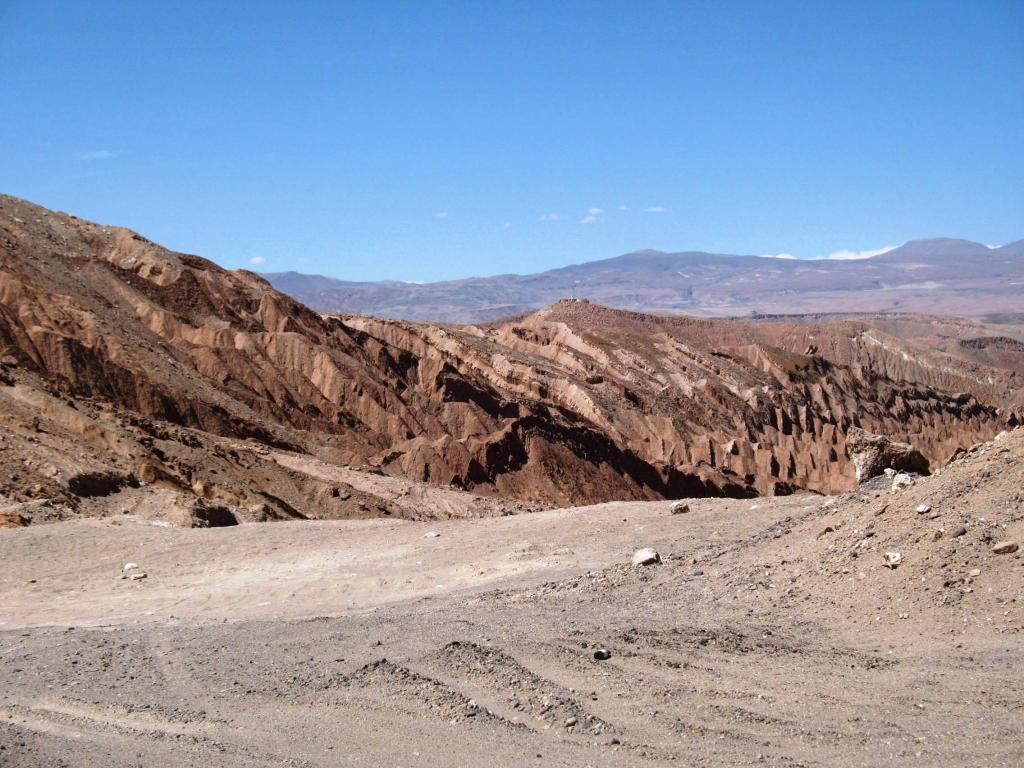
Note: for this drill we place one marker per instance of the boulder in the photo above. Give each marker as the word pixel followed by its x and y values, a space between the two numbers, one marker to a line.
pixel 873 454
pixel 200 513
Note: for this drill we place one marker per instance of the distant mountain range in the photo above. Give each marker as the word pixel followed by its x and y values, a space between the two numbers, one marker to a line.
pixel 939 276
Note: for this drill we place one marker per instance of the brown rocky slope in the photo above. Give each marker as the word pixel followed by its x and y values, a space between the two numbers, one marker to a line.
pixel 124 364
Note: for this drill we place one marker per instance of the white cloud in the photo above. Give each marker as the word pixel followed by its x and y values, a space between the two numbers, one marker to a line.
pixel 441 215
pixel 777 256
pixel 507 225
pixel 593 215
pixel 257 260
pixel 656 209
pixel 846 255
pixel 623 207
pixel 97 154
pixel 550 217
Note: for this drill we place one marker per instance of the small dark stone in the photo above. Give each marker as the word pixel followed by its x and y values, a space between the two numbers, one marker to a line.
pixel 602 654
pixel 959 532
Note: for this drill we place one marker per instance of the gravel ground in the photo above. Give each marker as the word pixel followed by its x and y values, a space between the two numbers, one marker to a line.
pixel 770 634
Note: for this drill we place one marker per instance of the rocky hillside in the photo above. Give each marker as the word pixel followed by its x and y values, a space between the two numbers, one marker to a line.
pixel 129 369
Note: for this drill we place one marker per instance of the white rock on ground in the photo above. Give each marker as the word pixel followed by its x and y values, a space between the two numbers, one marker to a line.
pixel 646 556
pixel 900 481
pixel 892 559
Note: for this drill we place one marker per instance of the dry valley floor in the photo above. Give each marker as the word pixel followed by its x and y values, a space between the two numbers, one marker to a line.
pixel 772 633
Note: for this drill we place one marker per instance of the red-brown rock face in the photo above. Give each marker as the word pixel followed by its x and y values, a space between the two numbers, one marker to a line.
pixel 577 403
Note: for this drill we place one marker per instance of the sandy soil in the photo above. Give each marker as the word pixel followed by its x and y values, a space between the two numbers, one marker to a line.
pixel 771 634
pixel 332 568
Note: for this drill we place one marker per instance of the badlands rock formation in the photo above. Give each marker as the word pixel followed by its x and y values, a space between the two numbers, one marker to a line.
pixel 135 377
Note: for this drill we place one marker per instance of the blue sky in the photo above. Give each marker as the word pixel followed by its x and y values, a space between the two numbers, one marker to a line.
pixel 422 140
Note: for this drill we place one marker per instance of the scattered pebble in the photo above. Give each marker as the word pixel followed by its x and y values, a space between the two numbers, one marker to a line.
pixel 680 508
pixel 1005 548
pixel 602 654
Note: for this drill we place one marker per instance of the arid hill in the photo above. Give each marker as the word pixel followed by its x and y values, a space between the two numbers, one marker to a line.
pixel 132 375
